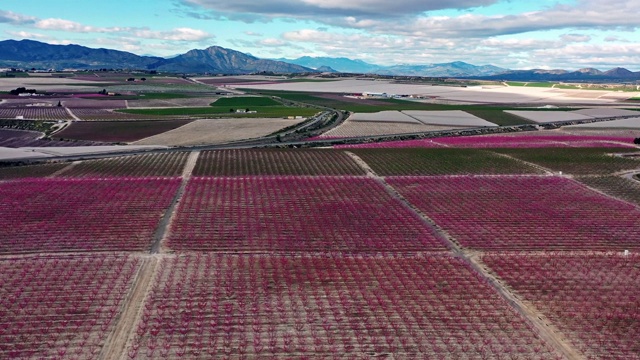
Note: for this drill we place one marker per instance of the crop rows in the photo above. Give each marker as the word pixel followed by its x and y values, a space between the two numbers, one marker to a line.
pixel 577 161
pixel 620 187
pixel 105 114
pixel 353 306
pixel 167 164
pixel 389 162
pixel 18 172
pixel 523 213
pixel 60 307
pixel 275 162
pixel 506 141
pixel 594 300
pixel 47 215
pixel 286 213
pixel 35 113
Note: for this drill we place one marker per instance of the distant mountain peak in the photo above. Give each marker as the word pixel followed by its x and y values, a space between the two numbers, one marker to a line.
pixel 215 59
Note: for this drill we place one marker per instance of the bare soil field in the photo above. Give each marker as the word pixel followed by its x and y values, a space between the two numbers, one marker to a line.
pixel 373 128
pixel 179 102
pixel 478 94
pixel 216 131
pixel 447 118
pixel 633 123
pixel 606 112
pixel 384 116
pixel 350 99
pixel 47 84
pixel 548 116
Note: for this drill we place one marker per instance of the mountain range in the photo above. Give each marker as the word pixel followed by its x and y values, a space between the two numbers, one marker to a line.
pixel 218 60
pixel 215 59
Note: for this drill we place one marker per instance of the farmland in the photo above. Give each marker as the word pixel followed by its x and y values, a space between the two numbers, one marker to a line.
pixel 61 306
pixel 63 215
pixel 322 306
pixel 458 247
pixel 119 131
pixel 413 161
pixel 275 162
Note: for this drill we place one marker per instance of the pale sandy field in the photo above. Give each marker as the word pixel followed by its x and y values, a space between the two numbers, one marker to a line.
pixel 171 103
pixel 217 131
pixel 372 128
pixel 46 84
pixel 606 112
pixel 449 117
pixel 633 123
pixel 479 94
pixel 31 152
pixel 548 116
pixel 384 116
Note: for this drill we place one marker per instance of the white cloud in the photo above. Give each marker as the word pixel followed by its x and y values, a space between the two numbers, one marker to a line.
pixel 26 35
pixel 17 19
pixel 66 25
pixel 408 17
pixel 178 34
pixel 319 8
pixel 272 42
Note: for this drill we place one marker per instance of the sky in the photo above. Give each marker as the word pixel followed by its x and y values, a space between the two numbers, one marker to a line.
pixel 515 34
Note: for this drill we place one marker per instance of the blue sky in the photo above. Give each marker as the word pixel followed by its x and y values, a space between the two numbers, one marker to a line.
pixel 515 34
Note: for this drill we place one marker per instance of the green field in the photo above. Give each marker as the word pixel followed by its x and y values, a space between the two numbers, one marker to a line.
pixel 223 111
pixel 494 114
pixel 245 102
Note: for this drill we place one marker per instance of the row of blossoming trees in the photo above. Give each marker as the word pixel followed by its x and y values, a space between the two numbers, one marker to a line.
pixel 285 254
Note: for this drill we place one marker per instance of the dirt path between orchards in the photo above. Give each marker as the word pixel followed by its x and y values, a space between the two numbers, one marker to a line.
pixel 162 231
pixel 116 344
pixel 547 332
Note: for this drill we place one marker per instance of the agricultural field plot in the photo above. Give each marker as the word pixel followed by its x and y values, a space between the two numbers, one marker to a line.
pixel 10 135
pixel 222 111
pixel 152 165
pixel 245 102
pixel 523 213
pixel 157 87
pixel 584 161
pixel 96 102
pixel 350 129
pixel 632 123
pixel 416 161
pixel 323 306
pixel 30 171
pixel 448 118
pixel 623 134
pixel 217 131
pixel 30 139
pixel 49 84
pixel 606 112
pixel 35 113
pixel 621 187
pixel 286 213
pixel 143 102
pixel 61 307
pixel 95 114
pixel 538 139
pixel 548 116
pixel 119 131
pixel 591 299
pixel 275 162
pixel 53 215
pixel 390 116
